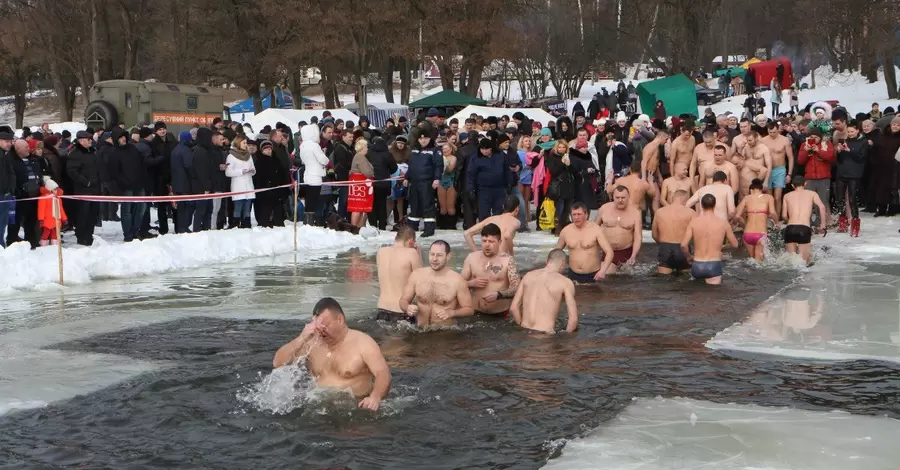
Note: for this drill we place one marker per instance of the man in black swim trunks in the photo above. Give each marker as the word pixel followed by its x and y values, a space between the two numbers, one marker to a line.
pixel 395 264
pixel 797 210
pixel 669 226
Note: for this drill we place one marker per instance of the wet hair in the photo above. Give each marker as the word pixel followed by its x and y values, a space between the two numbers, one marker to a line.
pixel 510 204
pixel 720 176
pixel 405 233
pixel 579 205
pixel 708 201
pixel 681 193
pixel 443 244
pixel 720 147
pixel 621 189
pixel 754 133
pixel 492 230
pixel 556 255
pixel 756 184
pixel 327 303
pixel 798 180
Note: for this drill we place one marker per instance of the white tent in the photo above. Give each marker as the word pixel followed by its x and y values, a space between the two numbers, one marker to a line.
pixel 291 117
pixel 535 114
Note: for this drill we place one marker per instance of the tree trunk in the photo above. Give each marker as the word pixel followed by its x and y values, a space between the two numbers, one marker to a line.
pixel 363 98
pixel 890 75
pixel 446 69
pixel 95 43
pixel 405 81
pixel 328 87
pixel 649 40
pixel 253 91
pixel 20 102
pixel 387 81
pixel 63 101
pixel 103 45
pixel 297 90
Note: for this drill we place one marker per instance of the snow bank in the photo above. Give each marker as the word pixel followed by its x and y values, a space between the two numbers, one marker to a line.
pixel 24 269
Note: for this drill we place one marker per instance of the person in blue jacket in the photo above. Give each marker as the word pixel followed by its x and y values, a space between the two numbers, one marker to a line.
pixel 488 177
pixel 426 166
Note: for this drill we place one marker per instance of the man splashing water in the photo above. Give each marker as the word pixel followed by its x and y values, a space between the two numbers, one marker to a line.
pixel 338 357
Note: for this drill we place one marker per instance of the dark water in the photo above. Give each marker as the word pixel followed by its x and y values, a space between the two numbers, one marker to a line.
pixel 490 396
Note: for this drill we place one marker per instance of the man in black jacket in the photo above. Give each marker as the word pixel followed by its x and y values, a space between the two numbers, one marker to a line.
pixel 180 167
pixel 162 144
pixel 29 179
pixel 384 166
pixel 203 175
pixel 129 173
pixel 467 151
pixel 152 162
pixel 7 181
pixel 83 169
pixel 342 157
pixel 109 211
pixel 223 209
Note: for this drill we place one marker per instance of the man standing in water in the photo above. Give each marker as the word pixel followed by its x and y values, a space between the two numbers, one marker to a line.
pixel 797 212
pixel 721 191
pixel 679 181
pixel 708 232
pixel 669 226
pixel 491 274
pixel 508 222
pixel 542 291
pixel 338 357
pixel 720 163
pixel 753 163
pixel 584 240
pixel 621 225
pixel 441 294
pixel 703 153
pixel 395 264
pixel 782 162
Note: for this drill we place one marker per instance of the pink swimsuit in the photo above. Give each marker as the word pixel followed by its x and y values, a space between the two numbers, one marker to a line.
pixel 753 239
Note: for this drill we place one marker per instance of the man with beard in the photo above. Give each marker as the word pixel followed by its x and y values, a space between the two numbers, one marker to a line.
pixel 83 168
pixel 620 221
pixel 585 240
pixel 541 292
pixel 492 275
pixel 442 295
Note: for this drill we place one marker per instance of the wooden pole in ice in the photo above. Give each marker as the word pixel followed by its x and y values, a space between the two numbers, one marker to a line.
pixel 57 204
pixel 296 190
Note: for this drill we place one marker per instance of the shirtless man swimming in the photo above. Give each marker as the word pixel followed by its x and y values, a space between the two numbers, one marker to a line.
pixel 704 153
pixel 683 145
pixel 650 156
pixel 782 154
pixel 541 292
pixel 720 163
pixel 585 240
pixel 621 224
pixel 679 181
pixel 508 222
pixel 753 163
pixel 797 212
pixel 708 232
pixel 441 294
pixel 669 226
pixel 723 193
pixel 338 357
pixel 491 274
pixel 395 264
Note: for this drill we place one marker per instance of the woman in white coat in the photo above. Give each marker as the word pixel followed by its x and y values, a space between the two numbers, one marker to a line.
pixel 314 160
pixel 241 170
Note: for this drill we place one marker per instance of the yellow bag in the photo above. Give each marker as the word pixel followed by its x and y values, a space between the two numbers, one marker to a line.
pixel 547 217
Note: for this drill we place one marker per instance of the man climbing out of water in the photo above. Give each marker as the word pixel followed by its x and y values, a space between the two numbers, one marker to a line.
pixel 620 223
pixel 491 274
pixel 338 357
pixel 669 226
pixel 508 222
pixel 797 211
pixel 722 191
pixel 585 240
pixel 541 292
pixel 395 264
pixel 441 294
pixel 708 232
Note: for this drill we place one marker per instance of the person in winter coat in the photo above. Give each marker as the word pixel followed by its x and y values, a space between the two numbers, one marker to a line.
pixel 361 166
pixel 152 161
pixel 180 165
pixel 562 185
pixel 314 160
pixel 204 169
pixel 817 156
pixel 851 162
pixel 564 129
pixel 884 168
pixel 342 158
pixel 129 172
pixel 426 166
pixel 270 173
pixel 240 169
pixel 487 177
pixel 659 112
pixel 582 168
pixel 162 144
pixel 384 165
pixel 29 172
pixel 83 168
pixel 7 180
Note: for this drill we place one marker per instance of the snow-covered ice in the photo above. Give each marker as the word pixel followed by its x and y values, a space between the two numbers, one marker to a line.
pixel 34 269
pixel 688 434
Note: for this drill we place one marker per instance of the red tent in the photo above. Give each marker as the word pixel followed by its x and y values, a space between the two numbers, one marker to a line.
pixel 764 72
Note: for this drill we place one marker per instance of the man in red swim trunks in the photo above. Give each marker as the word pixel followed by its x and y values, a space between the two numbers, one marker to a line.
pixel 621 225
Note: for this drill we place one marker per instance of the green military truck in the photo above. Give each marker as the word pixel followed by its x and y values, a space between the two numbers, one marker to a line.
pixel 129 102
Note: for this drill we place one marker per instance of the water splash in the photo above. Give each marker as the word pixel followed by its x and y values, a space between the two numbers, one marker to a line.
pixel 281 391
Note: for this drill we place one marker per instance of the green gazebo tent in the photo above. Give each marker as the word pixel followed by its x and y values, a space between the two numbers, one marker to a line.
pixel 677 93
pixel 447 99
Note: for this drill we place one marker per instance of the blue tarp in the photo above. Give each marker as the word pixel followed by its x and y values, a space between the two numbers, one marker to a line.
pixel 283 100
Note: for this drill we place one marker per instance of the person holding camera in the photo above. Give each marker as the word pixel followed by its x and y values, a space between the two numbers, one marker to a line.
pixel 817 155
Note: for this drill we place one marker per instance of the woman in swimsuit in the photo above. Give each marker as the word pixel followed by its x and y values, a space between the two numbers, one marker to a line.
pixel 447 190
pixel 526 155
pixel 759 207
